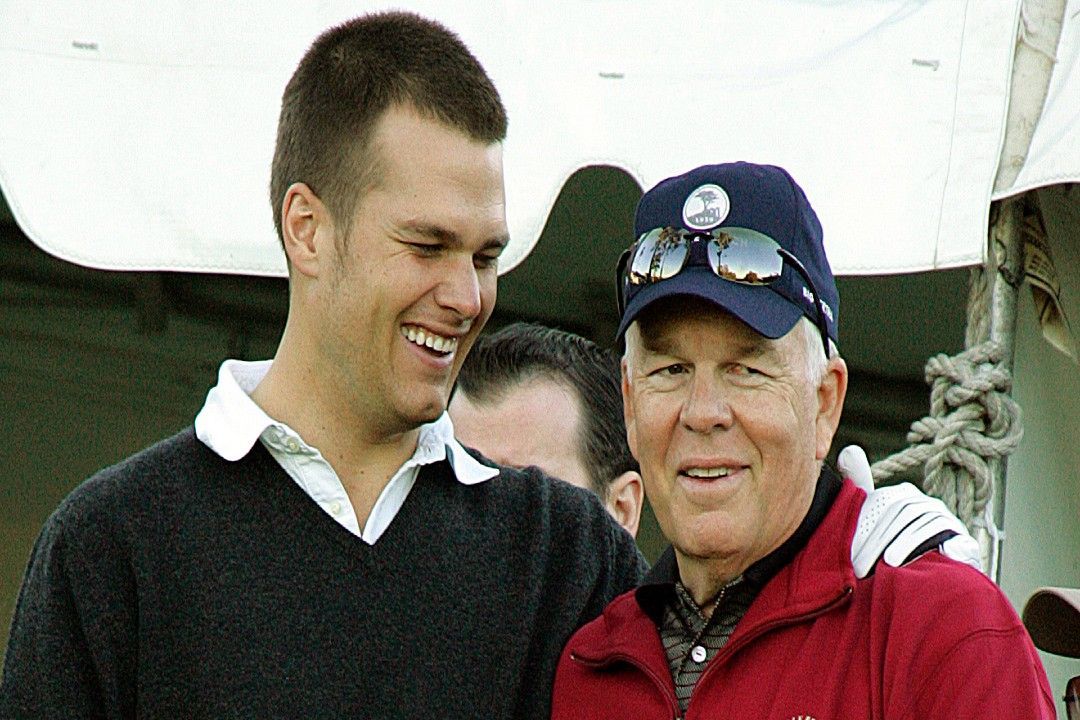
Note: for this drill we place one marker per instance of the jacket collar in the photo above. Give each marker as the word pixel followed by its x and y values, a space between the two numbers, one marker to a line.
pixel 807 573
pixel 658 584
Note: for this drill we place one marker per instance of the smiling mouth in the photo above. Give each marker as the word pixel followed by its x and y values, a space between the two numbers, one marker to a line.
pixel 707 473
pixel 427 339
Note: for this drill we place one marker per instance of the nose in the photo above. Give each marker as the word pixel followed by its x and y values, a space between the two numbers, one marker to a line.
pixel 459 289
pixel 706 407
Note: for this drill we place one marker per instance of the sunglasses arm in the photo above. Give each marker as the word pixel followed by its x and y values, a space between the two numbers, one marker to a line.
pixel 822 327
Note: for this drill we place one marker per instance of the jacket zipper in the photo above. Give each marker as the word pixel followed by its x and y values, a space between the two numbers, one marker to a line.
pixel 730 650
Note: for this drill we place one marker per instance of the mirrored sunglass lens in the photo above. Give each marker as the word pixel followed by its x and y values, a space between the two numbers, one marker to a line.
pixel 745 256
pixel 660 254
pixel 672 251
pixel 643 258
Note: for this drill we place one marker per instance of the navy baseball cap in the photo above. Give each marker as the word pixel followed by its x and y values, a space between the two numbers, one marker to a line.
pixel 761 198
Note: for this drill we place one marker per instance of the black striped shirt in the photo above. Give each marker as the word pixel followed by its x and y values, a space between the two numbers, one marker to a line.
pixel 691 641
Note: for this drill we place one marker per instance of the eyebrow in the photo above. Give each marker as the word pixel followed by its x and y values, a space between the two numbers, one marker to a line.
pixel 751 346
pixel 656 345
pixel 449 237
pixel 760 347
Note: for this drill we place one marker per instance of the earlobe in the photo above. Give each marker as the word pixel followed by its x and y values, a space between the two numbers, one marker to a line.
pixel 625 497
pixel 303 217
pixel 831 394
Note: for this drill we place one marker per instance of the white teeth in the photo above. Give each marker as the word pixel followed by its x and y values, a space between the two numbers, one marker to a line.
pixel 438 343
pixel 708 473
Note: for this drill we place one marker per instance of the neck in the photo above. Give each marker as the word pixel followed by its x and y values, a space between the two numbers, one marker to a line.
pixel 364 457
pixel 704 579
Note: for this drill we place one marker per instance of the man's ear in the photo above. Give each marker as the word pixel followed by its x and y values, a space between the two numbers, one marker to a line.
pixel 624 500
pixel 305 221
pixel 830 396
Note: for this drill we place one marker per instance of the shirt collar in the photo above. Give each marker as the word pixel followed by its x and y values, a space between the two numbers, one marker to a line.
pixel 659 583
pixel 437 442
pixel 230 423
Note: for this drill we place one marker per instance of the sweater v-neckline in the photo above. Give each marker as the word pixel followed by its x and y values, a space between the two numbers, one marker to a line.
pixel 317 518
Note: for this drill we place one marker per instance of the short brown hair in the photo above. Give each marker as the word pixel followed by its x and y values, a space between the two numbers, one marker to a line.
pixel 501 361
pixel 345 82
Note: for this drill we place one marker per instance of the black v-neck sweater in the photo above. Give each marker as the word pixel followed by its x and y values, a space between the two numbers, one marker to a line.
pixel 177 584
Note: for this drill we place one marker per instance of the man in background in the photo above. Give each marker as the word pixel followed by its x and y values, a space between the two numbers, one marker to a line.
pixel 534 395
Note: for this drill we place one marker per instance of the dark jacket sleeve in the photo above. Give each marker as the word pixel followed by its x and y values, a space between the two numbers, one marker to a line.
pixel 72 648
pixel 579 559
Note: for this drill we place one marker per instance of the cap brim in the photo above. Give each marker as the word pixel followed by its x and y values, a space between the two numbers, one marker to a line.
pixel 759 306
pixel 1052 617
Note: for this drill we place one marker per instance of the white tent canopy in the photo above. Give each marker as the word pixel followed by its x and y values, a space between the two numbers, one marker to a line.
pixel 139 137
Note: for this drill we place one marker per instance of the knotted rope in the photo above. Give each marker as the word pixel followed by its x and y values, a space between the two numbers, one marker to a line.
pixel 972 420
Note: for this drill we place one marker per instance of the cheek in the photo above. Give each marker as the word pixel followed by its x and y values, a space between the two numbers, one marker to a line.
pixel 489 290
pixel 652 430
pixel 783 418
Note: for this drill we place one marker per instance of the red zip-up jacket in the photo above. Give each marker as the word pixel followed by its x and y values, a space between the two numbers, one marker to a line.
pixel 932 639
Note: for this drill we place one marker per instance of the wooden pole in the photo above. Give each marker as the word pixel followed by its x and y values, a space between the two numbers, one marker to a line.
pixel 992 316
pixel 994 287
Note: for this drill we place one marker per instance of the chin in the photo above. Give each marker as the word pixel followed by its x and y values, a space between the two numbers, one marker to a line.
pixel 426 412
pixel 708 548
pixel 709 540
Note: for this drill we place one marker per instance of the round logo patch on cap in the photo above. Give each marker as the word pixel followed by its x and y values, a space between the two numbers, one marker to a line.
pixel 706 207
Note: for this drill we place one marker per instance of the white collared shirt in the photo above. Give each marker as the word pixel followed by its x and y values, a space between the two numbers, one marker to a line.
pixel 230 422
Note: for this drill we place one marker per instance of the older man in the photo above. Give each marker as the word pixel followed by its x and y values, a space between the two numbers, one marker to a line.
pixel 733 390
pixel 530 395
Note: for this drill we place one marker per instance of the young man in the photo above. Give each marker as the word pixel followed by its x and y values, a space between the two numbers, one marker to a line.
pixel 733 390
pixel 266 562
pixel 534 395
